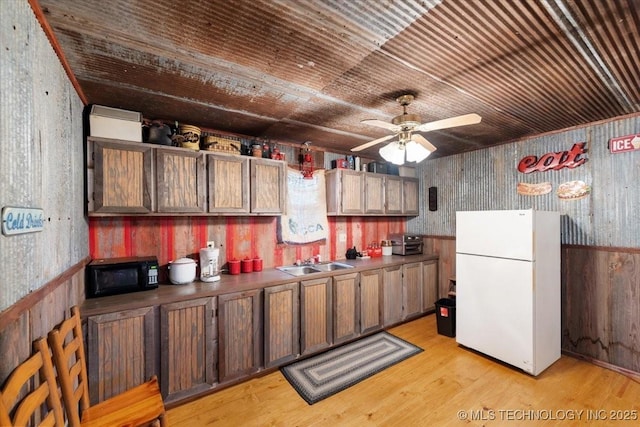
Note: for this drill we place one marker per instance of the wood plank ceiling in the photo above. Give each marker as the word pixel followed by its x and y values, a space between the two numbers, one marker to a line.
pixel 310 70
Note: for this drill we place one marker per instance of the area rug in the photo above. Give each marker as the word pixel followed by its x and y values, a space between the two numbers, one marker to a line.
pixel 328 373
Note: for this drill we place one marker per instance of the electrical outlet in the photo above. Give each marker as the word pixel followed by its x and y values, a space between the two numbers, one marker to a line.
pixel 342 237
pixel 211 244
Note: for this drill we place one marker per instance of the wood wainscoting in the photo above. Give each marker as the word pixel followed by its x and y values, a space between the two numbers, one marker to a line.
pixel 600 300
pixel 36 314
pixel 601 304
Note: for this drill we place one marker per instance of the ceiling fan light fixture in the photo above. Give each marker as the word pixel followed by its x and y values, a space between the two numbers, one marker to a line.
pixel 416 152
pixel 393 153
pixel 406 127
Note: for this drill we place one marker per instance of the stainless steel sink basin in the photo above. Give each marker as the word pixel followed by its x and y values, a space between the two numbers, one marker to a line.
pixel 332 266
pixel 302 270
pixel 298 270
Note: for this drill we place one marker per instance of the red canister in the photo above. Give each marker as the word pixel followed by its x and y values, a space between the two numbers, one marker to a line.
pixel 247 265
pixel 234 266
pixel 257 264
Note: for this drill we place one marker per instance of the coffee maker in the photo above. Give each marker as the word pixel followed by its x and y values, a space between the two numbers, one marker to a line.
pixel 209 271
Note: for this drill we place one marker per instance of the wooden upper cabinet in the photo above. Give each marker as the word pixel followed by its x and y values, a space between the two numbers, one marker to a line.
pixel 374 194
pixel 393 195
pixel 410 196
pixel 268 186
pixel 122 177
pixel 228 178
pixel 345 192
pixel 180 181
pixel 188 347
pixel 351 192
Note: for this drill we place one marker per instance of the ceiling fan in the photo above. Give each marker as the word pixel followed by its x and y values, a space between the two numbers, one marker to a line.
pixel 416 146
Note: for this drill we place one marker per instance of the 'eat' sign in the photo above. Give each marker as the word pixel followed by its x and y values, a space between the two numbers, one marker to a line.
pixel 554 161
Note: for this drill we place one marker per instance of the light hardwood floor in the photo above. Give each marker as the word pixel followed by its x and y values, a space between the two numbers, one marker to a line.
pixel 438 387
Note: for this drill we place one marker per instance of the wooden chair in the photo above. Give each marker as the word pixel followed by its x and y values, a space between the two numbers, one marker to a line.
pixel 140 405
pixel 18 410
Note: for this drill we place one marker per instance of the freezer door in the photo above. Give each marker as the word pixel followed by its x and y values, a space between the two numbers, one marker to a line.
pixel 503 234
pixel 494 308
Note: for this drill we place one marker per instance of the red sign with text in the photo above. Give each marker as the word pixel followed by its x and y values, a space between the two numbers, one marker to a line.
pixel 624 143
pixel 554 161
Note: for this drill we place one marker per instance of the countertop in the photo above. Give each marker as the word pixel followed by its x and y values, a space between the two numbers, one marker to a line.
pixel 166 293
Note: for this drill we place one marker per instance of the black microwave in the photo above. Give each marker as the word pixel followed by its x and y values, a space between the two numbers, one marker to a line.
pixel 112 276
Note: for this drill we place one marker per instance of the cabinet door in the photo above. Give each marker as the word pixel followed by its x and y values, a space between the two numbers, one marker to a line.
pixel 374 194
pixel 228 178
pixel 410 195
pixel 281 324
pixel 429 285
pixel 268 186
pixel 315 315
pixel 412 290
pixel 346 307
pixel 393 195
pixel 351 192
pixel 240 334
pixel 121 351
pixel 180 180
pixel 122 177
pixel 392 295
pixel 188 351
pixel 370 300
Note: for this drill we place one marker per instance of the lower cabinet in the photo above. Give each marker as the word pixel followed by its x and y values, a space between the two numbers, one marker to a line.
pixel 370 301
pixel 188 347
pixel 346 303
pixel 195 345
pixel 121 351
pixel 316 321
pixel 411 290
pixel 240 334
pixel 281 324
pixel 429 285
pixel 392 295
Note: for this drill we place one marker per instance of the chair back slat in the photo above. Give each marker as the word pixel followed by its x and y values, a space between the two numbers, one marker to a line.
pixel 68 355
pixel 29 387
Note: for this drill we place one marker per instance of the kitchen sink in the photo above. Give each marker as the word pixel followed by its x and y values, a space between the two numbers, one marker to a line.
pixel 331 266
pixel 302 270
pixel 298 270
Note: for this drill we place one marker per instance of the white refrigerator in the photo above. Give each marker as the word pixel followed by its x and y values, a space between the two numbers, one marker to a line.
pixel 508 286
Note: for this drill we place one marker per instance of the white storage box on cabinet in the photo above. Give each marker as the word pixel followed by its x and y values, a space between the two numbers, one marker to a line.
pixel 107 122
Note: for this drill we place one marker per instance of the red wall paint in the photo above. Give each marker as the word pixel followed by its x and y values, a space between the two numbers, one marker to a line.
pixel 170 238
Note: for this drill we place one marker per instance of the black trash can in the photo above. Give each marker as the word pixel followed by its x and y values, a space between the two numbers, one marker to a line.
pixel 446 316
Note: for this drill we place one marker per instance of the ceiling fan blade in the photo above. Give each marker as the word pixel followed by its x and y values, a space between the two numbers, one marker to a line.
pixel 423 141
pixel 382 124
pixel 372 143
pixel 467 119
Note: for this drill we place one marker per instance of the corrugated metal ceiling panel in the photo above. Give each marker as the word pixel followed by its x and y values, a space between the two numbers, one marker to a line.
pixel 312 70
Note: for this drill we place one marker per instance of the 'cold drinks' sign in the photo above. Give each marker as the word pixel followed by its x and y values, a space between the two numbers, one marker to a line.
pixel 21 220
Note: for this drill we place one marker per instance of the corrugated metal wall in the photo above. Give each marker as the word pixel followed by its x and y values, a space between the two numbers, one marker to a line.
pixel 41 161
pixel 487 179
